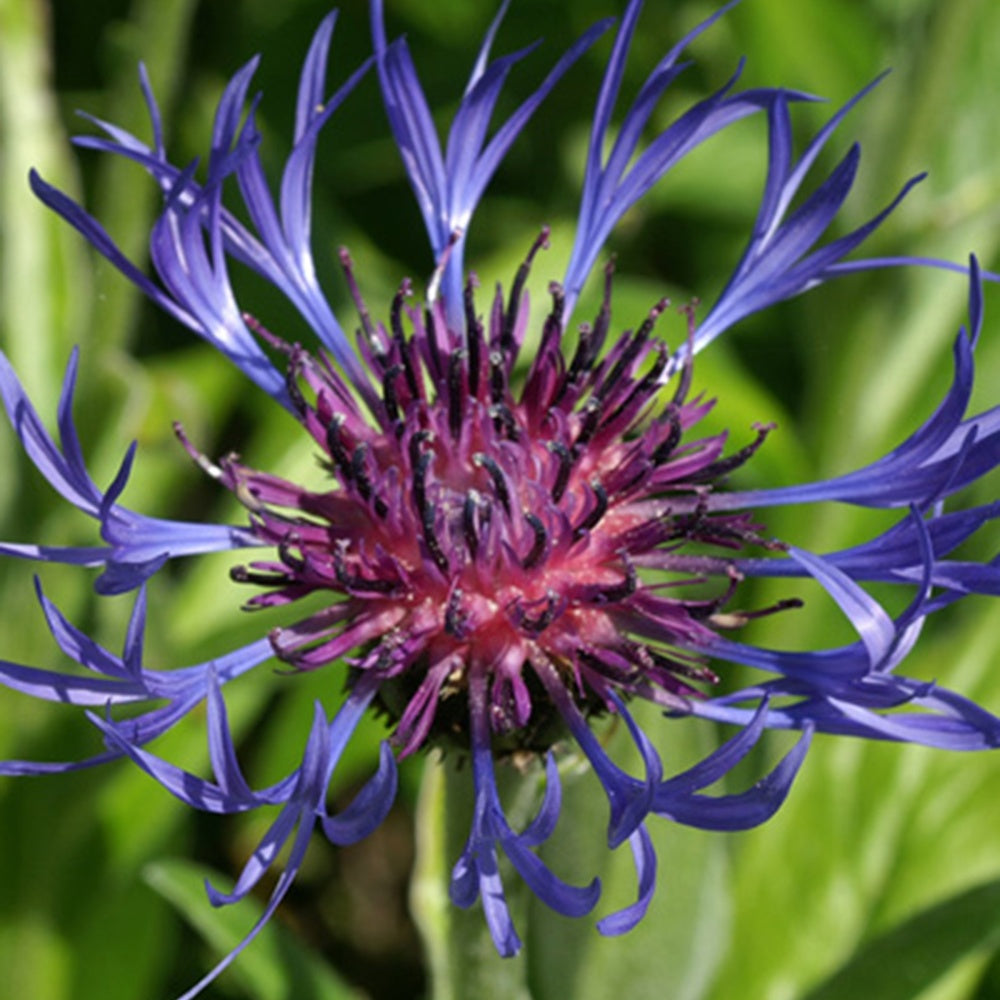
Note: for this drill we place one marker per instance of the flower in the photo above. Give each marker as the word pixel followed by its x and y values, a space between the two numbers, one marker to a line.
pixel 512 541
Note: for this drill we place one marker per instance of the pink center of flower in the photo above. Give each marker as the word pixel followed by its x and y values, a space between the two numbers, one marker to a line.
pixel 475 526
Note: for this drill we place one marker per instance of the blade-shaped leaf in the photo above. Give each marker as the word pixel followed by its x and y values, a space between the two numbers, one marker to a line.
pixel 915 954
pixel 277 965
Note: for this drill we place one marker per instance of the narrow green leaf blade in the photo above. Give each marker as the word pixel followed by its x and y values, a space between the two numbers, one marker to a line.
pixel 915 954
pixel 275 966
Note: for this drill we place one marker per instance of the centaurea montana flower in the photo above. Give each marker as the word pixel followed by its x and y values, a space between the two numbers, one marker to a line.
pixel 508 535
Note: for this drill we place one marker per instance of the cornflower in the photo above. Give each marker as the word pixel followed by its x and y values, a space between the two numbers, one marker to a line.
pixel 514 541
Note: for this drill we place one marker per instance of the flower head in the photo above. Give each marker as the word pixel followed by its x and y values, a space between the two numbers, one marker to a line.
pixel 522 527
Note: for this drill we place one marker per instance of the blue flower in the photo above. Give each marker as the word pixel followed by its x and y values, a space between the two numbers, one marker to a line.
pixel 503 555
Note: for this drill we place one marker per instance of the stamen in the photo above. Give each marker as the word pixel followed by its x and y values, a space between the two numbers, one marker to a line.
pixel 548 357
pixel 473 334
pixel 737 619
pixel 591 419
pixel 427 512
pixel 388 653
pixel 472 501
pixel 665 448
pixel 292 373
pixel 687 365
pixel 389 396
pixel 352 582
pixel 689 525
pixel 602 322
pixel 335 446
pixel 255 326
pixel 581 356
pixel 201 460
pixel 340 564
pixel 294 563
pixel 423 462
pixel 595 514
pixel 455 395
pixel 632 350
pixel 538 545
pixel 243 574
pixel 454 617
pixel 592 337
pixel 247 495
pixel 652 378
pixel 633 344
pixel 516 290
pixel 644 388
pixel 504 419
pixel 399 337
pixel 362 481
pixel 654 314
pixel 496 474
pixel 371 335
pixel 689 668
pixel 359 473
pixel 734 461
pixel 433 348
pixel 565 467
pixel 554 319
pixel 498 377
pixel 706 610
pixel 544 620
pixel 624 589
pixel 622 673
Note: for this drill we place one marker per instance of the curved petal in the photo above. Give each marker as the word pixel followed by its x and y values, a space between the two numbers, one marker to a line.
pixel 720 761
pixel 190 789
pixel 369 807
pixel 644 856
pixel 544 823
pixel 569 900
pixel 743 810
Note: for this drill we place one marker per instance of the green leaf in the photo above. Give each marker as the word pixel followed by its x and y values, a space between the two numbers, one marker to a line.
pixel 36 959
pixel 276 966
pixel 824 46
pixel 44 287
pixel 122 938
pixel 905 961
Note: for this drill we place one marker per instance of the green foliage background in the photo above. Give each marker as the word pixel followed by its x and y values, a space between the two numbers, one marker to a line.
pixel 880 877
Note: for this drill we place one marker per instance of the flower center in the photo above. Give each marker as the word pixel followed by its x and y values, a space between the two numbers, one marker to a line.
pixel 482 524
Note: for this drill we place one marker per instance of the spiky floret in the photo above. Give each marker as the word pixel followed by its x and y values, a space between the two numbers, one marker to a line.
pixel 482 523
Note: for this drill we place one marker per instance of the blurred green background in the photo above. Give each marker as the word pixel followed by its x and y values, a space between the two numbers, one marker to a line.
pixel 880 877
